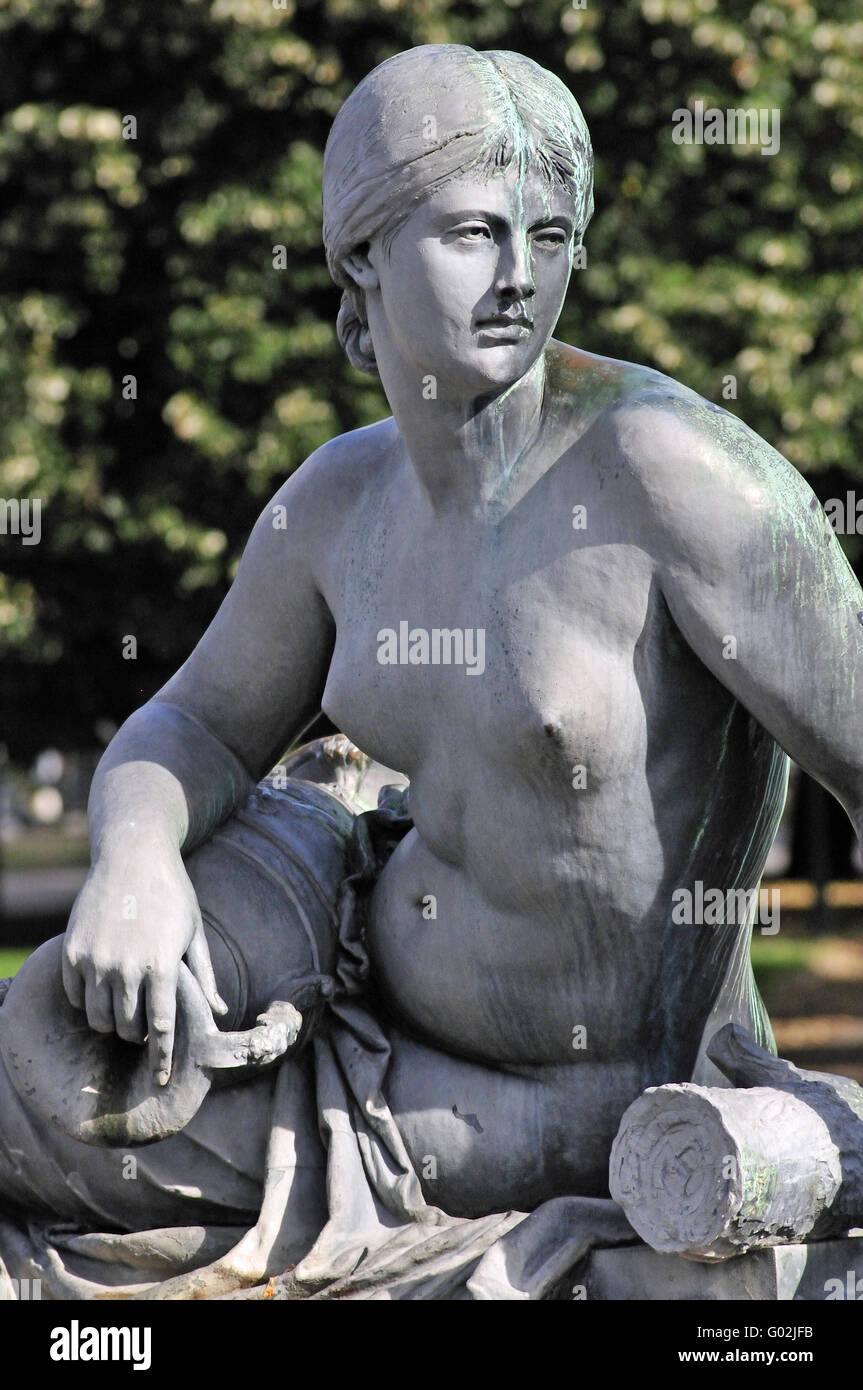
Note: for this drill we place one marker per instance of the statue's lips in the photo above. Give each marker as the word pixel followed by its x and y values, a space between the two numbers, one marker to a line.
pixel 505 330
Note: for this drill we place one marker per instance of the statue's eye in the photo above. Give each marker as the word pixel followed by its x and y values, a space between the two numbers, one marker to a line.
pixel 474 231
pixel 551 237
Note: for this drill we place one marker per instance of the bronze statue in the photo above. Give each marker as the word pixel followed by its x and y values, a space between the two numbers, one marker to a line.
pixel 585 613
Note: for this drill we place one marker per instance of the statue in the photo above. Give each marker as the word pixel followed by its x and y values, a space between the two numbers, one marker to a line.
pixel 584 614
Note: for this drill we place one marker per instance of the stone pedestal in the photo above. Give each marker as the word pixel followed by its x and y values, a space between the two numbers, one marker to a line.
pixel 830 1269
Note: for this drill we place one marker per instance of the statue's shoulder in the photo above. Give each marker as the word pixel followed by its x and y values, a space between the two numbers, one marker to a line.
pixel 313 513
pixel 665 437
pixel 333 477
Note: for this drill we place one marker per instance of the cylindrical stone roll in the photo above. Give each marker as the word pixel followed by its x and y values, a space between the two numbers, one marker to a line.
pixel 708 1172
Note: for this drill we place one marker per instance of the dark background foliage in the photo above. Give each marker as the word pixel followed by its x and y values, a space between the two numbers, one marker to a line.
pixel 153 257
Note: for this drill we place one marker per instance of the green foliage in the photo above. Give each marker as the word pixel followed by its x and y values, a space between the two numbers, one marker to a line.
pixel 153 257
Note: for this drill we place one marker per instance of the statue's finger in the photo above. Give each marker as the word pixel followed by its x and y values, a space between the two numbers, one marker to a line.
pixel 161 1018
pixel 72 983
pixel 201 966
pixel 99 1004
pixel 129 1012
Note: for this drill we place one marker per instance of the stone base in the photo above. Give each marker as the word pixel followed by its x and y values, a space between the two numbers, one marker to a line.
pixel 830 1269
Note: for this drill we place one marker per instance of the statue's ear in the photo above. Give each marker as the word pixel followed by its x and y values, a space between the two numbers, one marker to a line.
pixel 360 268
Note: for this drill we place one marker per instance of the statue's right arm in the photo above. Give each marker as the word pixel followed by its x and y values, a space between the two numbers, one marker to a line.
pixel 181 764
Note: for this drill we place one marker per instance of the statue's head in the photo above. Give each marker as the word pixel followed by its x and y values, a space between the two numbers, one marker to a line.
pixel 429 131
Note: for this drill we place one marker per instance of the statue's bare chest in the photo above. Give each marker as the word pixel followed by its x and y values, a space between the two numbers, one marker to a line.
pixel 503 638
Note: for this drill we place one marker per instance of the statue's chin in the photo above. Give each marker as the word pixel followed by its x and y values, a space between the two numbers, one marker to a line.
pixel 491 368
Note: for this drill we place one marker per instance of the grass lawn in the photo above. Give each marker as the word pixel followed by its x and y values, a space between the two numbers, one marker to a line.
pixel 10 961
pixel 773 956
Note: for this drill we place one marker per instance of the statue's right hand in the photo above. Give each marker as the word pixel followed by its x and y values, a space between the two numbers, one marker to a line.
pixel 134 920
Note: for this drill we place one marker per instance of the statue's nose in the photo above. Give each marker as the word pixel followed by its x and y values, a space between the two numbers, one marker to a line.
pixel 515 273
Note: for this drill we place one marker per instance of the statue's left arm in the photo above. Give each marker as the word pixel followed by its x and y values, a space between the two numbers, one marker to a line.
pixel 756 581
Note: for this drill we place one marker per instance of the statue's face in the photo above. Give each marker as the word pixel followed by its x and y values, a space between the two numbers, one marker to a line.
pixel 474 280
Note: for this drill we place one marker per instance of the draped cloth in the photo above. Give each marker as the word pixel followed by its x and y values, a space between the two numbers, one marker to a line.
pixel 382 1239
pixel 92 1223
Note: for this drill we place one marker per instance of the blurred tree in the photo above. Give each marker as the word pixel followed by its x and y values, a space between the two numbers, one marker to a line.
pixel 159 376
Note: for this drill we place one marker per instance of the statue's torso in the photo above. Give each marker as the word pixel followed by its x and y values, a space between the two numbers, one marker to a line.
pixel 559 794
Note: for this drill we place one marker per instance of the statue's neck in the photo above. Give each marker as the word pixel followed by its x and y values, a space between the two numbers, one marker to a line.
pixel 466 452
